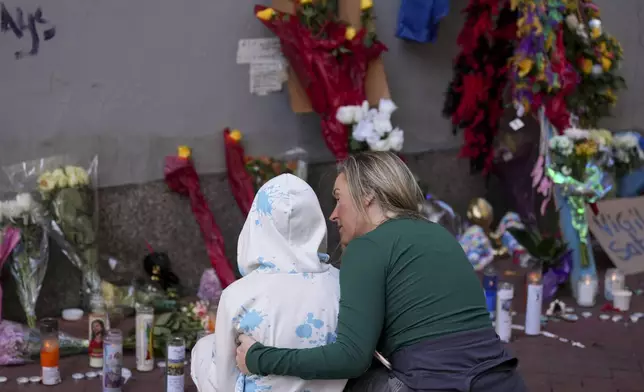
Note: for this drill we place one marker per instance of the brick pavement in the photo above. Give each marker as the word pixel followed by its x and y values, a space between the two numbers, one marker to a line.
pixel 613 359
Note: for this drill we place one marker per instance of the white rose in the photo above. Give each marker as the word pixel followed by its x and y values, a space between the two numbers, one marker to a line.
pixel 572 22
pixel 346 114
pixel 387 106
pixel 396 139
pixel 576 134
pixel 364 107
pixel 382 124
pixel 373 139
pixel 597 70
pixel 362 131
pixel 595 24
pixel 11 209
pixel 380 145
pixel 565 170
pixel 25 201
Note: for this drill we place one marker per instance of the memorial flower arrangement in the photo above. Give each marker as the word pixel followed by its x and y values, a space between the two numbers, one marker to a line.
pixel 575 158
pixel 372 128
pixel 186 322
pixel 596 57
pixel 69 196
pixel 329 57
pixel 627 153
pixel 29 247
pixel 264 168
pixel 20 344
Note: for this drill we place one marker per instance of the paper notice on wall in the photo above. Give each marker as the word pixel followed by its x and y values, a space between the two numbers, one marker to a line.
pixel 267 77
pixel 258 50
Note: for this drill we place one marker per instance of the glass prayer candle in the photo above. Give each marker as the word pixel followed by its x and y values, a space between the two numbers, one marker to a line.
pixel 49 351
pixel 586 291
pixel 534 300
pixel 614 280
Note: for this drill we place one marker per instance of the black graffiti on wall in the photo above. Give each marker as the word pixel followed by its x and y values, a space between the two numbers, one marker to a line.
pixel 21 25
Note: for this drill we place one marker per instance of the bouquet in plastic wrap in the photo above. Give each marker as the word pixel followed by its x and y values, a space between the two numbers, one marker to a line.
pixel 181 177
pixel 264 168
pixel 29 247
pixel 67 191
pixel 20 344
pixel 329 57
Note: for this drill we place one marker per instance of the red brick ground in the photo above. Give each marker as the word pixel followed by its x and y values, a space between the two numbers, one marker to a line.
pixel 613 359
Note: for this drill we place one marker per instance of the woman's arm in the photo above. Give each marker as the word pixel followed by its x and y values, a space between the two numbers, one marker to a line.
pixel 362 313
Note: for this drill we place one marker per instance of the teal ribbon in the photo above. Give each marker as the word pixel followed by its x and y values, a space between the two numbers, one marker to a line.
pixel 579 193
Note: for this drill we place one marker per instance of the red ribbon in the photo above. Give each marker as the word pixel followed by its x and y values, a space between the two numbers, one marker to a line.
pixel 241 183
pixel 181 177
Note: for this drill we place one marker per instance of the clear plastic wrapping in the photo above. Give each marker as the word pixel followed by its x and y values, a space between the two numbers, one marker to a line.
pixel 66 188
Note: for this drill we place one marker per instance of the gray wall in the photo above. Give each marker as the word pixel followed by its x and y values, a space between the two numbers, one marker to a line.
pixel 132 80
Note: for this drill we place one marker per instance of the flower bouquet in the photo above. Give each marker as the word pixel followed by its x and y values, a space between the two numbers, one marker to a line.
pixel 574 166
pixel 67 192
pixel 186 322
pixel 30 251
pixel 372 129
pixel 329 57
pixel 551 252
pixel 627 153
pixel 20 344
pixel 596 57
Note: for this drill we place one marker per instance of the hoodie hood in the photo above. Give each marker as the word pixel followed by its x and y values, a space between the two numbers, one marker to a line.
pixel 285 231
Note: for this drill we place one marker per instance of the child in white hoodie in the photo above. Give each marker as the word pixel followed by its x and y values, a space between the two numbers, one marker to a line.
pixel 288 296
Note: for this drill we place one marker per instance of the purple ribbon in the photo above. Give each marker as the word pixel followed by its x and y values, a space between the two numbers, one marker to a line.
pixel 557 275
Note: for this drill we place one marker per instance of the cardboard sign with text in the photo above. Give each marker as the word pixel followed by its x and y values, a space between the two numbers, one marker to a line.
pixel 376 81
pixel 619 229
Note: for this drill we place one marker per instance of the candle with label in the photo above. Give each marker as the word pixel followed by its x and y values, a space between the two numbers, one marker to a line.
pixel 49 352
pixel 175 365
pixel 490 289
pixel 98 325
pixel 614 280
pixel 534 302
pixel 144 347
pixel 504 297
pixel 113 361
pixel 586 291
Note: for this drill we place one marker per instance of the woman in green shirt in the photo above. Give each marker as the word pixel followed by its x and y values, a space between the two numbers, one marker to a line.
pixel 407 291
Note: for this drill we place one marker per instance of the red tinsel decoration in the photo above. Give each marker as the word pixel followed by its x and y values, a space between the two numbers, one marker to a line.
pixel 181 177
pixel 331 79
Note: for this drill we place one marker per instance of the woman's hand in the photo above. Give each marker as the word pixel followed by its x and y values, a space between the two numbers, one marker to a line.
pixel 245 343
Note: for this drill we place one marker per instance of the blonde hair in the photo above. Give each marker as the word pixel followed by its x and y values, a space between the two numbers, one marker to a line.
pixel 387 179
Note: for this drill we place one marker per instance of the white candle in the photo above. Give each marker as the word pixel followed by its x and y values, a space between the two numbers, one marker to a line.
pixel 614 280
pixel 586 291
pixel 504 297
pixel 534 303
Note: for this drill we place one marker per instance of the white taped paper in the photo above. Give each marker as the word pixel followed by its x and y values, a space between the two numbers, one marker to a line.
pixel 258 50
pixel 267 77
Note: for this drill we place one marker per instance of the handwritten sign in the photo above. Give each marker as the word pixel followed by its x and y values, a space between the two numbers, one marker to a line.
pixel 22 23
pixel 258 50
pixel 619 229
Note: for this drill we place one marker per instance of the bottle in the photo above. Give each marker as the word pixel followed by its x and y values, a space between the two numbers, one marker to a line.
pixel 144 347
pixel 49 351
pixel 98 325
pixel 175 365
pixel 490 287
pixel 113 361
pixel 504 311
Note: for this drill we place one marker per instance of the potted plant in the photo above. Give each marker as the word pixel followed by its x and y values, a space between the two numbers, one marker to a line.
pixel 551 252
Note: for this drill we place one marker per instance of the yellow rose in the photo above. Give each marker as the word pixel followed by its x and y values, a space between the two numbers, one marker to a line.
pixel 46 182
pixel 266 14
pixel 60 178
pixel 184 152
pixel 525 66
pixel 82 175
pixel 302 2
pixel 586 66
pixel 236 135
pixel 606 63
pixel 595 32
pixel 603 48
pixel 350 33
pixel 366 4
